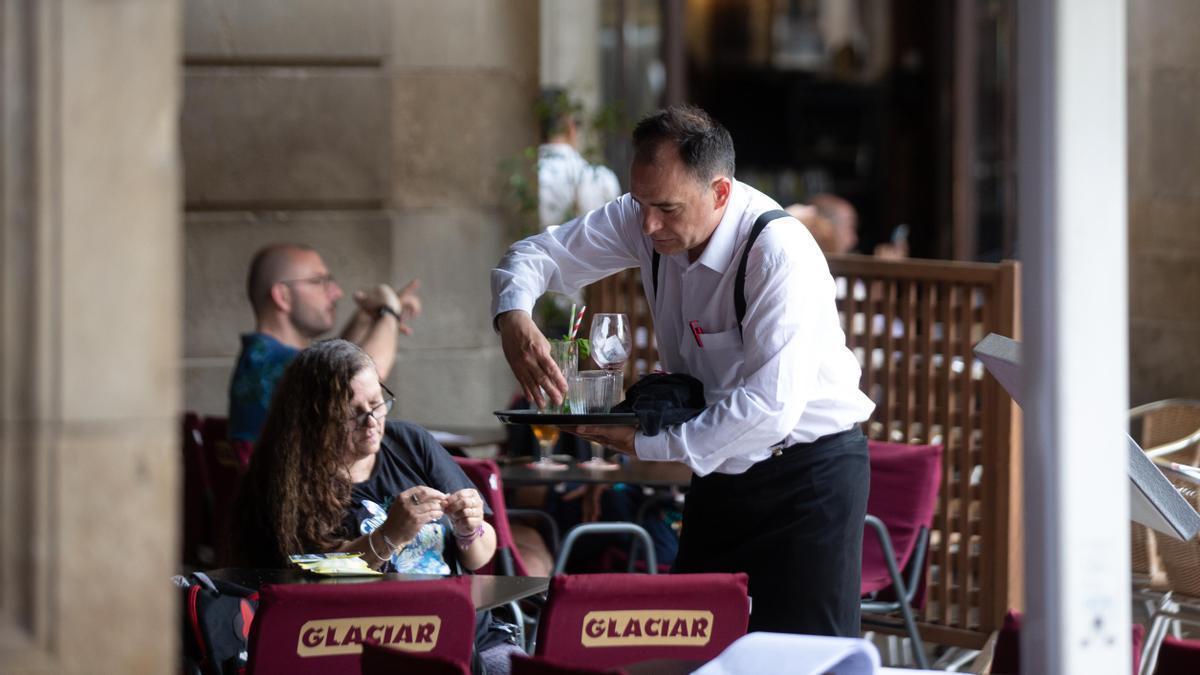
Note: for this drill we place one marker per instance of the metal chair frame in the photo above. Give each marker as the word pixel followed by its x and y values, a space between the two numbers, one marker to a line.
pixel 905 590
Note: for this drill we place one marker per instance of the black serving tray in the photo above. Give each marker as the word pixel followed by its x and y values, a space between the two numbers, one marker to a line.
pixel 565 419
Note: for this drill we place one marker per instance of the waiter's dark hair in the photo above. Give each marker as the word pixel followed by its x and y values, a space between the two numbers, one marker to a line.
pixel 705 146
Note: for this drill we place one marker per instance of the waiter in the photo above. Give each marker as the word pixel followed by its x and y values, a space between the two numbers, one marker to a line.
pixel 780 465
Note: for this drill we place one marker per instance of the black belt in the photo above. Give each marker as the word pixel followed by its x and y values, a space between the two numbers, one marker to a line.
pixel 775 452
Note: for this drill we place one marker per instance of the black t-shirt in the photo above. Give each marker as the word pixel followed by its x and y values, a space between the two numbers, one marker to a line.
pixel 409 456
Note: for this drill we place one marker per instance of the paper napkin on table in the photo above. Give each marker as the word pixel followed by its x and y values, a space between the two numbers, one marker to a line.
pixel 333 564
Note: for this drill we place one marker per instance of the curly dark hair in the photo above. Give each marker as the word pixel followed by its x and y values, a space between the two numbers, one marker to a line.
pixel 296 491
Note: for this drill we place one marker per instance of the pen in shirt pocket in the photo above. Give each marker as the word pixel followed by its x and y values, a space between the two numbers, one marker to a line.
pixel 697 332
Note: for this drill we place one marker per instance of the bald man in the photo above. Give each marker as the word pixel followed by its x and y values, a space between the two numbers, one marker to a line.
pixel 295 299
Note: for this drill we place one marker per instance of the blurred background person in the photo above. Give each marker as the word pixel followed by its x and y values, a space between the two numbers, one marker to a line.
pixel 294 297
pixel 568 184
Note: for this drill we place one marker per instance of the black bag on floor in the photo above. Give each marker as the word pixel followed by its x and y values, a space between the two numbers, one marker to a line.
pixel 216 624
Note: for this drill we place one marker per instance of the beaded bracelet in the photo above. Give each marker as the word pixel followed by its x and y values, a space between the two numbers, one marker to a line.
pixel 464 541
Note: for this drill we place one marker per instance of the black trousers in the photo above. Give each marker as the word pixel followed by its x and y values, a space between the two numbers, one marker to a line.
pixel 794 524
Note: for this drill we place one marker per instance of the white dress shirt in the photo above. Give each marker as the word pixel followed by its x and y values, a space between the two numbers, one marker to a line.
pixel 788 379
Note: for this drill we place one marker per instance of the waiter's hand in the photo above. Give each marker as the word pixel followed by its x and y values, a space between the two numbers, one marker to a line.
pixel 619 438
pixel 528 354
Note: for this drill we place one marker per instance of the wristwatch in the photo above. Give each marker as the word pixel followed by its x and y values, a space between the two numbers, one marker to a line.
pixel 385 310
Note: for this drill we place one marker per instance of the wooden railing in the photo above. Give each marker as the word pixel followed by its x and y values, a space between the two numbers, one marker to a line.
pixel 912 325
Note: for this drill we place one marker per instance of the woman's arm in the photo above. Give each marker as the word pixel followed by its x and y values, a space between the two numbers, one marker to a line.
pixel 409 512
pixel 475 538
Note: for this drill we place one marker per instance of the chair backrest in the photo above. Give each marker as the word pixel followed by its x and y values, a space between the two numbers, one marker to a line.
pixel 378 659
pixel 224 471
pixel 904 491
pixel 486 476
pixel 319 628
pixel 1178 656
pixel 1181 559
pixel 1166 421
pixel 609 620
pixel 1161 422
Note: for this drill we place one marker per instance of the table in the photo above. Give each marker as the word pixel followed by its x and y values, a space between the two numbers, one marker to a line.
pixel 487 591
pixel 653 474
pixel 471 441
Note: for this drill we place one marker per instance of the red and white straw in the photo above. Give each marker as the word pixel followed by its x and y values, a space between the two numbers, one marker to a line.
pixel 577 322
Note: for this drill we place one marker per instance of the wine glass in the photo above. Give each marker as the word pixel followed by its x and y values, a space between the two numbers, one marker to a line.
pixel 547 436
pixel 611 343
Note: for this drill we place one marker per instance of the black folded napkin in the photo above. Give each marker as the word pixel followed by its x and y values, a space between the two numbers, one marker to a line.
pixel 661 398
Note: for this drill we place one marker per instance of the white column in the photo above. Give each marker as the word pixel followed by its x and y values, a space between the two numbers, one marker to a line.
pixel 1072 193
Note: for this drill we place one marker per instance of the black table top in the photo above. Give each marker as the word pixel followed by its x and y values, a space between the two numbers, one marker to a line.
pixel 487 591
pixel 654 474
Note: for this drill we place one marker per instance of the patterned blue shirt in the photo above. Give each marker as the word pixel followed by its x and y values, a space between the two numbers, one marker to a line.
pixel 259 367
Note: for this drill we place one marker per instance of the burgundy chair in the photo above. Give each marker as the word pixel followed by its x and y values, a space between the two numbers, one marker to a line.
pixel 486 476
pixel 1178 656
pixel 525 665
pixel 310 629
pixel 1006 657
pixel 904 490
pixel 380 660
pixel 197 496
pixel 613 620
pixel 225 461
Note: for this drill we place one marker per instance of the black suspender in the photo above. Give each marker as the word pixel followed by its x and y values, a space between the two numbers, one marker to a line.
pixel 739 284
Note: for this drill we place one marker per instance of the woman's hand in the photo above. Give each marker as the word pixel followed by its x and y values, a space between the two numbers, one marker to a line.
pixel 465 509
pixel 412 510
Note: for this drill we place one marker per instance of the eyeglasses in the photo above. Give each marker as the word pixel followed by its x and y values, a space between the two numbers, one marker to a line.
pixel 324 280
pixel 377 413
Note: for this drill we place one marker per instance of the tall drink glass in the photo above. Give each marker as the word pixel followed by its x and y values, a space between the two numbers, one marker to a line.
pixel 566 356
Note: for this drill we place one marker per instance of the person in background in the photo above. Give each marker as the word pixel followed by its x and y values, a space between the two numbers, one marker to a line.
pixel 833 222
pixel 294 298
pixel 568 185
pixel 331 473
pixel 844 218
pixel 821 228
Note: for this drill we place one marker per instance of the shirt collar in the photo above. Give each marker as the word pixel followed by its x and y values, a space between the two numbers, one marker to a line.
pixel 721 245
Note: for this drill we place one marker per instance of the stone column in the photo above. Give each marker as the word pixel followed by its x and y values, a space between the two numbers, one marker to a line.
pixel 90 300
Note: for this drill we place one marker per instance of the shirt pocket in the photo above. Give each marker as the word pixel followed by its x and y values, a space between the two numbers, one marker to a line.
pixel 722 358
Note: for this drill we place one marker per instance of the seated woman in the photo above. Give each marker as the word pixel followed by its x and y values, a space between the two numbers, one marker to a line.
pixel 330 474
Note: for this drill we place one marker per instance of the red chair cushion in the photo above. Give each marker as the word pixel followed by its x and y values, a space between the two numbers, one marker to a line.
pixel 904 489
pixel 320 628
pixel 608 620
pixel 1178 657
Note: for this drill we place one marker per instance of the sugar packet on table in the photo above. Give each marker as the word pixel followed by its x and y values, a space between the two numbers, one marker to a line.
pixel 333 564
